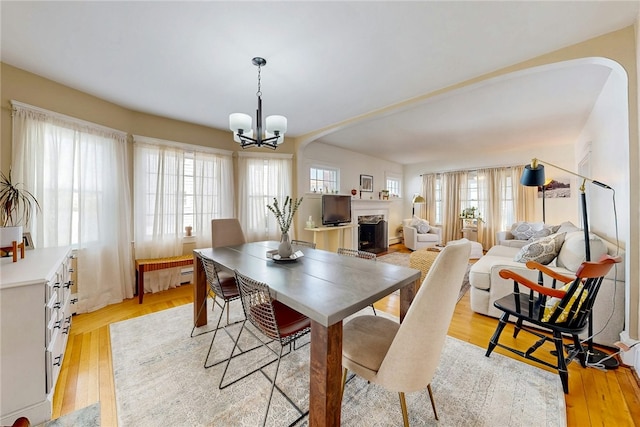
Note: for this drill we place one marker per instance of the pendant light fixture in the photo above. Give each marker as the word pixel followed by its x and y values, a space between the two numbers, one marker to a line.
pixel 275 126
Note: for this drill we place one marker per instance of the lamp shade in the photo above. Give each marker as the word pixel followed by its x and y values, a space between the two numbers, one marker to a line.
pixel 532 177
pixel 417 199
pixel 276 124
pixel 239 121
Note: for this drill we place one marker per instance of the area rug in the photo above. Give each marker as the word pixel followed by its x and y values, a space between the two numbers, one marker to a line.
pixel 160 381
pixel 399 258
pixel 85 417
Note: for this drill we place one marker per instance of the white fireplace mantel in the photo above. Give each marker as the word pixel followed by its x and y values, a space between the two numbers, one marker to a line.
pixel 364 207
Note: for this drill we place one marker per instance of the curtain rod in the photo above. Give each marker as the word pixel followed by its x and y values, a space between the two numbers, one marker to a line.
pixel 467 170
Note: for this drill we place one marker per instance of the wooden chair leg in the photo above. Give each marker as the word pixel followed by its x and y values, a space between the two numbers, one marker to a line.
pixel 433 402
pixel 403 406
pixel 562 364
pixel 344 382
pixel 496 335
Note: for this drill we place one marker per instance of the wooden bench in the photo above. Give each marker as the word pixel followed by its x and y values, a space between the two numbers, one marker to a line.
pixel 153 264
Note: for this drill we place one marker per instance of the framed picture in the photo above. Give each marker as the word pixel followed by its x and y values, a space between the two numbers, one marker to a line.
pixel 27 240
pixel 366 183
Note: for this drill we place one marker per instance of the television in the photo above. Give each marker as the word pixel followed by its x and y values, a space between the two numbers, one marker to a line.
pixel 336 209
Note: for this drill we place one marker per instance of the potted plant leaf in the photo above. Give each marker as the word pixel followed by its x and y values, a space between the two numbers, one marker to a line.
pixel 17 207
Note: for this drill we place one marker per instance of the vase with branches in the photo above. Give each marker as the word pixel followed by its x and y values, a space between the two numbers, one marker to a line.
pixel 284 217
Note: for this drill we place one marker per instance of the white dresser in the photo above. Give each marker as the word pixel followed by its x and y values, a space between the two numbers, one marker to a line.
pixel 35 318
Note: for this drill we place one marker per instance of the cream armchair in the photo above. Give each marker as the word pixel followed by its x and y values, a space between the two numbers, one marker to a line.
pixel 414 240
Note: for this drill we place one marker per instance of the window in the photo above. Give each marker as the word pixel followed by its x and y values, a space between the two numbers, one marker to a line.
pixel 262 177
pixel 323 179
pixel 175 186
pixel 393 185
pixel 438 199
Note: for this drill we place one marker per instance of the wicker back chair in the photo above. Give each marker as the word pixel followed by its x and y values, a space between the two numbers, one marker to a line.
pixel 275 320
pixel 303 243
pixel 356 253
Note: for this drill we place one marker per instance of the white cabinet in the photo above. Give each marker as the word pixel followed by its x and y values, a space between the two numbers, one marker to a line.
pixel 35 318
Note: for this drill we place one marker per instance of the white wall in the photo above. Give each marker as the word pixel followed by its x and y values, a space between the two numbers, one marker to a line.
pixel 351 165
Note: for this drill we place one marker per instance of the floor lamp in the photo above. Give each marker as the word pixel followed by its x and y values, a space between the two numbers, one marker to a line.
pixel 417 200
pixel 533 176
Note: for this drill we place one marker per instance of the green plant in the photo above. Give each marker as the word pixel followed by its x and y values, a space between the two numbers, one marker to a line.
pixel 284 215
pixel 16 203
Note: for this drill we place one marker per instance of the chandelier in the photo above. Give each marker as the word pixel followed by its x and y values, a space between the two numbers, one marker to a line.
pixel 275 126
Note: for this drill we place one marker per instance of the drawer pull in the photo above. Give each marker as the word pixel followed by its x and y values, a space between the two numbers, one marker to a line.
pixel 57 324
pixel 58 361
pixel 56 285
pixel 67 320
pixel 57 305
pixel 71 270
pixel 74 300
pixel 68 284
pixel 66 330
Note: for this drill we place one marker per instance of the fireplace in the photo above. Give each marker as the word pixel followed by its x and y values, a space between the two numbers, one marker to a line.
pixel 372 233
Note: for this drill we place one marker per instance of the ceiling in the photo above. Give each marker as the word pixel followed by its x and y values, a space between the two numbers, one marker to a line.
pixel 328 63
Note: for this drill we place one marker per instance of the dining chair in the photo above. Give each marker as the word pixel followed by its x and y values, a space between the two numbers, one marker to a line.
pixel 226 232
pixel 402 357
pixel 276 321
pixel 558 312
pixel 359 254
pixel 303 243
pixel 223 291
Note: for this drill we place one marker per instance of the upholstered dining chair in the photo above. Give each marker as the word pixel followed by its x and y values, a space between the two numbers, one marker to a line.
pixel 303 243
pixel 359 254
pixel 558 312
pixel 403 357
pixel 275 320
pixel 226 232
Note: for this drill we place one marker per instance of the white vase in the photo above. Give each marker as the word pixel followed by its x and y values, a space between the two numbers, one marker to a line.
pixel 10 234
pixel 284 249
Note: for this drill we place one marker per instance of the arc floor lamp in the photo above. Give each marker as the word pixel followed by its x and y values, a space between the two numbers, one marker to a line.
pixel 533 176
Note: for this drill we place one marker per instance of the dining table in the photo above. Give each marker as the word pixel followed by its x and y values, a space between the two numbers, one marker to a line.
pixel 324 286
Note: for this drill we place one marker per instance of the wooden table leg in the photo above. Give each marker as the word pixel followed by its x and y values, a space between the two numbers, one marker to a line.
pixel 325 375
pixel 140 283
pixel 199 292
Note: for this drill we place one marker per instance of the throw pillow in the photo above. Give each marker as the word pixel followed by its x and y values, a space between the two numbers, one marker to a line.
pixel 542 250
pixel 572 253
pixel 547 230
pixel 525 230
pixel 552 304
pixel 421 225
pixel 567 227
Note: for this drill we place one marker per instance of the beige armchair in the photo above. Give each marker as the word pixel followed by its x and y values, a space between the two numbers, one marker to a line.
pixel 414 240
pixel 403 357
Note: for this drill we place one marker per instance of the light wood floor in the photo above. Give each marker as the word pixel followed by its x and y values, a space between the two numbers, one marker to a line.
pixel 596 398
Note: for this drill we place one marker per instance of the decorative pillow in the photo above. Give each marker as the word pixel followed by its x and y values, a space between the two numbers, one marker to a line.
pixel 567 227
pixel 547 230
pixel 553 302
pixel 421 225
pixel 525 230
pixel 572 253
pixel 542 250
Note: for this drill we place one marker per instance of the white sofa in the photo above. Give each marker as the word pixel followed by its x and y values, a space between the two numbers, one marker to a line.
pixel 487 286
pixel 414 240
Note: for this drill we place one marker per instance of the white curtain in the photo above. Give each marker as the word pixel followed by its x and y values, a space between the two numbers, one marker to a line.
pixel 78 172
pixel 177 185
pixel 261 178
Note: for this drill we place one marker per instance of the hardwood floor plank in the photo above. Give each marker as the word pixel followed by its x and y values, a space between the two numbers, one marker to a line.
pixel 596 398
